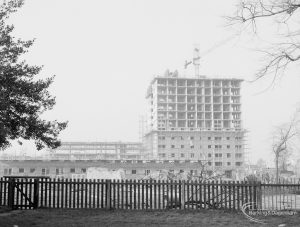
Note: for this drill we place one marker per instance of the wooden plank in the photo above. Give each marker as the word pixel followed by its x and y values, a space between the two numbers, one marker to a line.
pixel 138 198
pixel 27 191
pixel 176 195
pixel 62 184
pixel 238 196
pixel 126 194
pixel 41 182
pixel 6 186
pixel 234 195
pixel 81 193
pixel 246 192
pixel 159 195
pixel 118 195
pixel 98 193
pixel 73 192
pixel 19 196
pixel 197 194
pixel 16 196
pixel 78 192
pixel 180 192
pixel 70 192
pixel 188 184
pixel 134 194
pixel 36 193
pixel 108 194
pixel 155 194
pixel 243 193
pixel 86 193
pixel 225 194
pixel 54 193
pixel 147 198
pixel 31 194
pixel 90 193
pixel 21 186
pixel 143 195
pixel 163 194
pixel 102 194
pixel 191 197
pixel 122 194
pixel 58 192
pixel 130 194
pixel 201 198
pixel 229 194
pixel 46 181
pixel 113 193
pixel 221 191
pixel 213 199
pixel 208 194
pixel 94 193
pixel 168 192
pixel 11 193
pixel 66 193
pixel 1 191
pixel 205 195
pixel 74 181
pixel 251 194
pixel 151 202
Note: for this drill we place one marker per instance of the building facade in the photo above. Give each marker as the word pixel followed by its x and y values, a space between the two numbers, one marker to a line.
pixel 80 169
pixel 97 151
pixel 196 119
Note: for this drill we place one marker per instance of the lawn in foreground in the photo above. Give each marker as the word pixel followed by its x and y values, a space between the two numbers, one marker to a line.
pixel 66 217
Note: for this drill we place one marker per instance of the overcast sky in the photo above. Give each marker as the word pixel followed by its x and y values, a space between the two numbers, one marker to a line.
pixel 104 54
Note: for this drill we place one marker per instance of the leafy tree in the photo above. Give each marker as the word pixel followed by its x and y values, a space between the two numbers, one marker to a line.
pixel 285 15
pixel 23 97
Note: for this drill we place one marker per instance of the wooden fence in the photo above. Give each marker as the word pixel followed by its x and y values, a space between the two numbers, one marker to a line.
pixel 28 193
pixel 124 194
pixel 281 196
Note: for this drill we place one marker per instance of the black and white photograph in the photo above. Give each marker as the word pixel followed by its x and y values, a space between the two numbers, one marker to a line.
pixel 149 113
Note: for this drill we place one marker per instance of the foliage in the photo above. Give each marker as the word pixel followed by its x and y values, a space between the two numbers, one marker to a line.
pixel 23 98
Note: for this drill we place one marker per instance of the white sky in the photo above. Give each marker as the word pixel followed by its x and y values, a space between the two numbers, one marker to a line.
pixel 104 54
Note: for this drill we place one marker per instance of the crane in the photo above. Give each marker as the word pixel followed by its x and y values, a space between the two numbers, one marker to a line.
pixel 196 59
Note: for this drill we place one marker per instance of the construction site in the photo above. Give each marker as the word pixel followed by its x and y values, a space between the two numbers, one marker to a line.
pixel 190 119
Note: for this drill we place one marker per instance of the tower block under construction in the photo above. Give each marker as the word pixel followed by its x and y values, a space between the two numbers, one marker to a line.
pixel 196 119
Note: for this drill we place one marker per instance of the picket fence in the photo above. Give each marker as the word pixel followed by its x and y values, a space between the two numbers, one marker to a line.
pixel 41 192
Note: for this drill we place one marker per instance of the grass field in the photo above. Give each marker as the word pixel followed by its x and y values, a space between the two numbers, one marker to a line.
pixel 65 218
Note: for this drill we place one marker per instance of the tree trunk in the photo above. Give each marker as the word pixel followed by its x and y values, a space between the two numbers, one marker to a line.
pixel 277 168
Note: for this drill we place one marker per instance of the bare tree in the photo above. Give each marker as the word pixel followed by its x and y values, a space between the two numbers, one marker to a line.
pixel 283 13
pixel 283 142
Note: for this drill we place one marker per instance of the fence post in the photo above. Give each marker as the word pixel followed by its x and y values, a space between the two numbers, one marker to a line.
pixel 36 193
pixel 108 197
pixel 182 195
pixel 259 195
pixel 11 193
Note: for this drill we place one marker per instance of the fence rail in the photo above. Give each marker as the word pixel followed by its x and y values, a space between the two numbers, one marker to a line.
pixel 23 193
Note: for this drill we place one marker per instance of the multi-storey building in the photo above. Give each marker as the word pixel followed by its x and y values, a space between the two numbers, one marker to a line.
pixel 196 119
pixel 97 151
pixel 131 169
